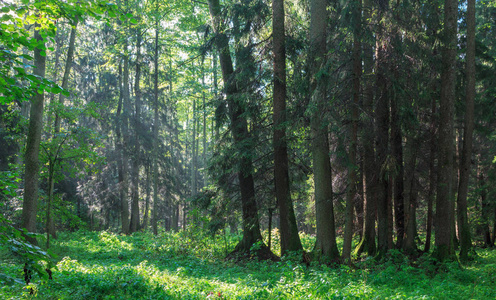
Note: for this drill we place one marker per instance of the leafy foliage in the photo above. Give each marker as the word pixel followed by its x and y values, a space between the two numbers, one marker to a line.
pixel 188 265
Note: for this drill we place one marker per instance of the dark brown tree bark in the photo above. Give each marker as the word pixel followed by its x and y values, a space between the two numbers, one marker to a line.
pixel 325 244
pixel 444 201
pixel 31 160
pixel 290 240
pixel 239 130
pixel 465 164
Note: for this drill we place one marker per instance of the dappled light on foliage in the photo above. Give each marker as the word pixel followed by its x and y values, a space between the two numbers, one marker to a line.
pixel 109 266
pixel 250 149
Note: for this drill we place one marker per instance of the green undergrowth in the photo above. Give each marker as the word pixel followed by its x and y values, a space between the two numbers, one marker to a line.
pixel 188 265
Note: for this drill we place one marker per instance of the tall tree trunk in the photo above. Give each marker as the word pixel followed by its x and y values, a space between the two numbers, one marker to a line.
pixel 397 149
pixel 432 176
pixel 147 199
pixel 382 119
pixel 367 243
pixel 31 172
pixel 465 164
pixel 485 206
pixel 352 187
pixel 290 240
pixel 239 130
pixel 325 244
pixel 193 153
pixel 67 71
pixel 155 131
pixel 135 215
pixel 125 143
pixel 444 200
pixel 204 154
pixel 65 85
pixel 408 244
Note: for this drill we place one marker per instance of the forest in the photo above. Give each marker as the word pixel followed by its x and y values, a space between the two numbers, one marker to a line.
pixel 247 149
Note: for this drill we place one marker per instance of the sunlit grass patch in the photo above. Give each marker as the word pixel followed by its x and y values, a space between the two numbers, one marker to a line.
pixel 190 265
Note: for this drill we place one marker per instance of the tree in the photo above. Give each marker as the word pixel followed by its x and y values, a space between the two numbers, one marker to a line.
pixel 325 244
pixel 135 219
pixel 290 240
pixel 367 242
pixel 239 131
pixel 466 159
pixel 156 125
pixel 351 191
pixel 444 200
pixel 31 173
pixel 54 156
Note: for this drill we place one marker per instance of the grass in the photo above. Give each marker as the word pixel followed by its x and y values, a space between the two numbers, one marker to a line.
pixel 189 265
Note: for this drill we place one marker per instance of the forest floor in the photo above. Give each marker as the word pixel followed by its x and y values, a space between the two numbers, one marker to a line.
pixel 190 265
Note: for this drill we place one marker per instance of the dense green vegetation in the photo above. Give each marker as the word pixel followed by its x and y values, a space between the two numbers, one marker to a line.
pixel 148 147
pixel 190 265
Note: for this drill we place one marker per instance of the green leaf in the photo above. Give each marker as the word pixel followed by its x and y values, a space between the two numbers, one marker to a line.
pixel 55 90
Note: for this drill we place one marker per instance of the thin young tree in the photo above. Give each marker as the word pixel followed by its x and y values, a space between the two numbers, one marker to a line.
pixel 465 164
pixel 156 124
pixel 135 215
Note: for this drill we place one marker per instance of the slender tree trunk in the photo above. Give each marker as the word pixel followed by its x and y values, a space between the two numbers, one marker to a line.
pixel 367 243
pixel 325 244
pixel 147 201
pixel 290 240
pixel 65 85
pixel 397 147
pixel 204 146
pixel 125 142
pixel 443 235
pixel 408 244
pixel 156 125
pixel 51 166
pixel 239 129
pixel 31 172
pixel 193 153
pixel 67 71
pixel 352 187
pixel 432 176
pixel 465 164
pixel 135 215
